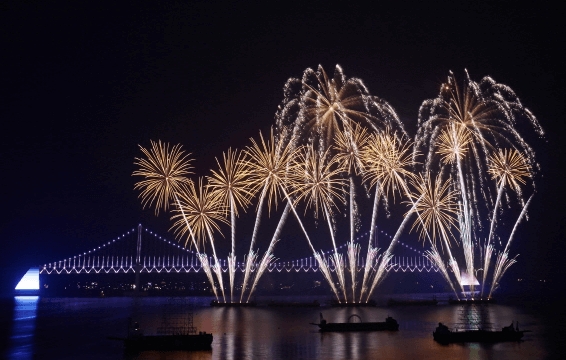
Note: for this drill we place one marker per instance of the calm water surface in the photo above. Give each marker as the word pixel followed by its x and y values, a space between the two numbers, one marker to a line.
pixel 77 328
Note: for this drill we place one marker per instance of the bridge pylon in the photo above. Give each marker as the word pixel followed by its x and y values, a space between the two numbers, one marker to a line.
pixel 138 266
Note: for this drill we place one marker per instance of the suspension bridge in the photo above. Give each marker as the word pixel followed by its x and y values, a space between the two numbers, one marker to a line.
pixel 140 250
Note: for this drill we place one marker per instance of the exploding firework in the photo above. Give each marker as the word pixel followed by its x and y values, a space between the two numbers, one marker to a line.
pixel 315 180
pixel 267 166
pixel 387 160
pixel 200 212
pixel 165 174
pixel 436 208
pixel 318 106
pixel 509 167
pixel 330 132
pixel 348 146
pixel 231 185
pixel 467 126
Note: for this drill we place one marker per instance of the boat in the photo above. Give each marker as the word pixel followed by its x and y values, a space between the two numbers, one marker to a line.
pixel 175 332
pixel 353 304
pixel 178 338
pixel 216 303
pixel 394 302
pixel 294 304
pixel 355 324
pixel 444 335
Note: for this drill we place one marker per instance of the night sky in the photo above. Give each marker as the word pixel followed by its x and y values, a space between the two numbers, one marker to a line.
pixel 83 84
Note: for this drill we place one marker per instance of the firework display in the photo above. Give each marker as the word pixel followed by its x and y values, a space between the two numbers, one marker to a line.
pixel 335 146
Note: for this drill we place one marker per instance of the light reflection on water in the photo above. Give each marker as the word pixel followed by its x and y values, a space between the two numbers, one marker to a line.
pixel 78 329
pixel 21 345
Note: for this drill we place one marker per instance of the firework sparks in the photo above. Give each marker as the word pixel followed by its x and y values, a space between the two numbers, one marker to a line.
pixel 386 158
pixel 267 167
pixel 324 268
pixel 203 210
pixel 164 171
pixel 165 174
pixel 380 273
pixel 509 167
pixel 353 255
pixel 315 179
pixel 267 260
pixel 436 209
pixel 435 258
pixel 502 264
pixel 348 145
pixel 453 143
pixel 231 185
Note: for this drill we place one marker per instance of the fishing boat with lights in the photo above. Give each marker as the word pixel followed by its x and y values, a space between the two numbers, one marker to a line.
pixel 355 323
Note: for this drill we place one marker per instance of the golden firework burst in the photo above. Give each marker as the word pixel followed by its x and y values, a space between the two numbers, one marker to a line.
pixel 203 209
pixel 231 182
pixel 386 159
pixel 314 177
pixel 349 144
pixel 333 103
pixel 466 109
pixel 453 143
pixel 164 170
pixel 436 207
pixel 268 166
pixel 509 167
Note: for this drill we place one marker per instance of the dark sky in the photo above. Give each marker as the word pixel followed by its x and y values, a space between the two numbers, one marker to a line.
pixel 84 84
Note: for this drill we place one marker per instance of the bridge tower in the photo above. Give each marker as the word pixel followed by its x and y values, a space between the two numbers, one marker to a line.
pixel 138 266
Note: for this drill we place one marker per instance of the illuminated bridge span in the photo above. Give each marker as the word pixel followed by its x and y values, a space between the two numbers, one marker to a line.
pixel 126 254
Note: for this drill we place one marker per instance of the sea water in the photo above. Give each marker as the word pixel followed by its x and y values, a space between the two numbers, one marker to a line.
pixel 79 328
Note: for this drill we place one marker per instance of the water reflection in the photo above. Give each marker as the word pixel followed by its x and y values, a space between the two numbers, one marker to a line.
pixel 78 329
pixel 21 346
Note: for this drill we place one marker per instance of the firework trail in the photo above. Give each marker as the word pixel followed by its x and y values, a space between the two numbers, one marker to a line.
pixel 250 260
pixel 371 256
pixel 316 106
pixel 268 258
pixel 348 145
pixel 206 267
pixel 164 171
pixel 508 167
pixel 353 255
pixel 386 158
pixel 502 264
pixel 380 273
pixel 231 185
pixel 488 253
pixel 324 268
pixel 203 209
pixel 453 143
pixel 315 179
pixel 523 213
pixel 435 258
pixel 266 261
pixel 435 212
pixel 466 124
pixel 267 169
